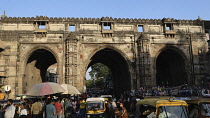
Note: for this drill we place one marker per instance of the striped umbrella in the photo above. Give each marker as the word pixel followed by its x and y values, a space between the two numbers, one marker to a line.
pixel 69 89
pixel 45 88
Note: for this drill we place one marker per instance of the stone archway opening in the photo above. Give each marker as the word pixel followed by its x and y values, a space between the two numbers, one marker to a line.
pixel 37 68
pixel 170 65
pixel 120 75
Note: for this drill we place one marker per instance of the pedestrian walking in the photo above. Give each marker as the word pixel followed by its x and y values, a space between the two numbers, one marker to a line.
pixel 17 109
pixel 23 111
pixel 82 108
pixel 9 109
pixel 59 108
pixel 50 110
pixel 111 106
pixel 74 106
pixel 36 109
pixel 124 113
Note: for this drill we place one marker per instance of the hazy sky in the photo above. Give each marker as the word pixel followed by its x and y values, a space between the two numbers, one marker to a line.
pixel 151 9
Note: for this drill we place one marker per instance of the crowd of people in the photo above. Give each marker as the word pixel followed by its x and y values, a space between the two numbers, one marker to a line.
pixel 74 107
pixel 66 107
pixel 9 110
pixel 37 108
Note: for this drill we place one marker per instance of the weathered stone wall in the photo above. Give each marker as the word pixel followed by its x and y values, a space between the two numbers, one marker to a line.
pixel 73 50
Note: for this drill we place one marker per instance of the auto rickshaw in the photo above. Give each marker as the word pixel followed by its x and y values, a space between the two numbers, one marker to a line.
pixel 161 108
pixel 95 108
pixel 202 105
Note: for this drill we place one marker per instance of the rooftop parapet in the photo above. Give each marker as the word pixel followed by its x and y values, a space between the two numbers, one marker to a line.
pixel 98 20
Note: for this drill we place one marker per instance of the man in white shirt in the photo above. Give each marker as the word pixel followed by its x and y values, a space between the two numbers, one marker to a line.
pixel 10 109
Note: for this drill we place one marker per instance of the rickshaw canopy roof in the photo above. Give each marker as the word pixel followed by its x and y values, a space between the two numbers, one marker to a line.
pixel 106 96
pixel 160 102
pixel 197 100
pixel 94 99
pixel 151 102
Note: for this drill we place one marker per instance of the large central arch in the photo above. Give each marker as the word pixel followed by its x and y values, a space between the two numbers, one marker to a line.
pixel 118 66
pixel 36 67
pixel 171 68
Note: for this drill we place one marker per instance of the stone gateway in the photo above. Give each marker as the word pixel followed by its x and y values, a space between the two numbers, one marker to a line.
pixel 139 52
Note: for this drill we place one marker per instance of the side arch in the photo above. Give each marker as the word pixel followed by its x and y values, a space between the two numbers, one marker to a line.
pixel 173 48
pixel 29 53
pixel 36 61
pixel 168 61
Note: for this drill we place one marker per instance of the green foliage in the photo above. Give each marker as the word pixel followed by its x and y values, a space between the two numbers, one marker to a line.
pixel 100 83
pixel 100 71
pixel 89 83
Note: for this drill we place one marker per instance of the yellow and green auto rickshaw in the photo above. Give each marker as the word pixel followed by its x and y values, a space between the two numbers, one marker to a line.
pixel 161 108
pixel 95 108
pixel 202 105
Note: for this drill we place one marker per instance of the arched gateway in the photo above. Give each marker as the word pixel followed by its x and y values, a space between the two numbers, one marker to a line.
pixel 171 68
pixel 129 47
pixel 119 67
pixel 36 68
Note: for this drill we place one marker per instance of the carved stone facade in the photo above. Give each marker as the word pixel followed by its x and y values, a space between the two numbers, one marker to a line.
pixel 139 52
